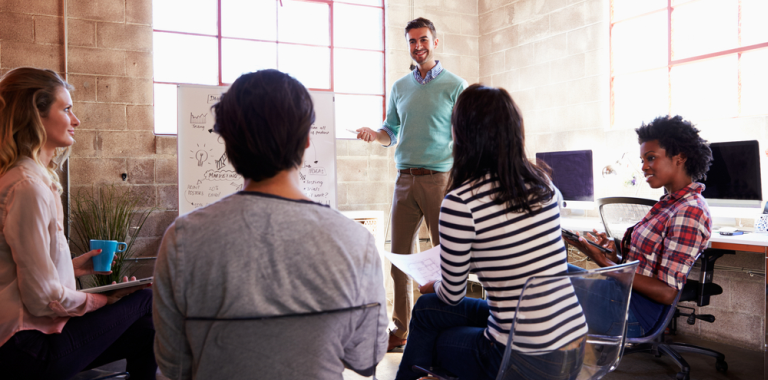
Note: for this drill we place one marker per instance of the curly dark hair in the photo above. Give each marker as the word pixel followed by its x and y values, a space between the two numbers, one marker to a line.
pixel 264 120
pixel 676 136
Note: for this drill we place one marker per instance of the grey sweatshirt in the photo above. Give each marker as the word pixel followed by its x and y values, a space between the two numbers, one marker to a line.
pixel 255 255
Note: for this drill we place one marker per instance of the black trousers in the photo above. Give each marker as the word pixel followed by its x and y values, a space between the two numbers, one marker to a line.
pixel 123 330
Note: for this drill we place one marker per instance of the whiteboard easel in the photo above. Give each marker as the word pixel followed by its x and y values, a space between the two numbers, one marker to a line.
pixel 205 173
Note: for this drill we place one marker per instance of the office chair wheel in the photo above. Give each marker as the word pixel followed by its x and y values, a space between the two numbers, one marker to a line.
pixel 682 376
pixel 721 366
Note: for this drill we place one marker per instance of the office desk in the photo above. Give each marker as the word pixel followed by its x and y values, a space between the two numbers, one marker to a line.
pixel 750 242
pixel 582 223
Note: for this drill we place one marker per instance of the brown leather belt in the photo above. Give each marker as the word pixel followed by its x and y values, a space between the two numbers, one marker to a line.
pixel 418 171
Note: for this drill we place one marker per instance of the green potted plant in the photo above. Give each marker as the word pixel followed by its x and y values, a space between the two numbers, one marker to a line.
pixel 111 213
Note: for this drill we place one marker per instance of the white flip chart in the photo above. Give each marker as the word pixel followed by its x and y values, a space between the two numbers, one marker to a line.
pixel 205 173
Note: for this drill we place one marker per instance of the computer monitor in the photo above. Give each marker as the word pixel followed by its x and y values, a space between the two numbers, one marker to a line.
pixel 734 180
pixel 572 173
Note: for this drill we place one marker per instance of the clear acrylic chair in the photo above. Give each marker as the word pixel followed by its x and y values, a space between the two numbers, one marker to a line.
pixel 282 347
pixel 604 298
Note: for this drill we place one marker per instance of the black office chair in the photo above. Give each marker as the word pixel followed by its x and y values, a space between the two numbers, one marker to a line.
pixel 620 213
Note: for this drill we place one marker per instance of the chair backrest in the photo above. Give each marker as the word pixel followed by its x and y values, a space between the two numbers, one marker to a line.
pixel 101 374
pixel 620 213
pixel 661 325
pixel 603 295
pixel 306 345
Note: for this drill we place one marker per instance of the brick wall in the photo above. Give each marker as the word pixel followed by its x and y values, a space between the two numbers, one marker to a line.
pixel 110 65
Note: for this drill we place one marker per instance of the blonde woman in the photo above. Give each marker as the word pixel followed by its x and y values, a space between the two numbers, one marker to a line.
pixel 49 330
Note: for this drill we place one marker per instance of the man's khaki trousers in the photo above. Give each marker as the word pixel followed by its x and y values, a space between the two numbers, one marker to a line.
pixel 415 197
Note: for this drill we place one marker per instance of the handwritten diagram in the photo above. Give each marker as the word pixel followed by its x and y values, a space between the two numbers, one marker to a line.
pixel 221 162
pixel 199 119
pixel 205 171
pixel 213 98
pixel 313 186
pixel 207 176
pixel 201 155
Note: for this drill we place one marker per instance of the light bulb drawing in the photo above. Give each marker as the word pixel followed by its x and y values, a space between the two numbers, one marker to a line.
pixel 201 156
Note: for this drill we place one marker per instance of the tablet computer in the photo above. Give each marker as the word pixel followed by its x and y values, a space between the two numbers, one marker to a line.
pixel 121 285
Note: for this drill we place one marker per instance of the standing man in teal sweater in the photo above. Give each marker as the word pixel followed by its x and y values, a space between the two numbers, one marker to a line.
pixel 419 118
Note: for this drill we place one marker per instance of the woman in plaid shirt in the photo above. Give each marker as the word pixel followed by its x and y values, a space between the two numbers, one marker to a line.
pixel 668 240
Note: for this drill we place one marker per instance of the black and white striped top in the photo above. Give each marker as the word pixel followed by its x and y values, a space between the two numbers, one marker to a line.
pixel 504 249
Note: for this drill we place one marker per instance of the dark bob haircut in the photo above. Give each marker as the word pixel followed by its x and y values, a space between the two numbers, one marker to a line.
pixel 489 138
pixel 264 120
pixel 676 136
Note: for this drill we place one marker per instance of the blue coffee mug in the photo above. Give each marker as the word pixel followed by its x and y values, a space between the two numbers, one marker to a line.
pixel 103 261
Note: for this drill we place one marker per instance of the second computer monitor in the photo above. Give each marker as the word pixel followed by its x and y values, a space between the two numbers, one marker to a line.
pixel 572 173
pixel 734 178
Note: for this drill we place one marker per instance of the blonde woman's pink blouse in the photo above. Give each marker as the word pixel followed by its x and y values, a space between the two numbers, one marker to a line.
pixel 37 280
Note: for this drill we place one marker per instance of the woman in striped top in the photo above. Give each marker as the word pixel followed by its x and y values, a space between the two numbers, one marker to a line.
pixel 500 220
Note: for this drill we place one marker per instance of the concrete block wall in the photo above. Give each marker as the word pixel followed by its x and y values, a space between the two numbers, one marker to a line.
pixel 553 57
pixel 110 65
pixel 458 33
pixel 740 310
pixel 366 172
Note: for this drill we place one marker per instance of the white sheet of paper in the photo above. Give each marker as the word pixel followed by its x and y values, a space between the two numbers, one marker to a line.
pixel 422 267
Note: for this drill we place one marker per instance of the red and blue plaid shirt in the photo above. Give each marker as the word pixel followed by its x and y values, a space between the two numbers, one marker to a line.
pixel 671 236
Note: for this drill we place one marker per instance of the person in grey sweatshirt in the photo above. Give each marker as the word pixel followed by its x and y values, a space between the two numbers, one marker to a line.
pixel 267 251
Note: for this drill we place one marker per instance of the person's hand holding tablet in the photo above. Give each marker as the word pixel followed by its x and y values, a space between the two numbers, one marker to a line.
pixel 115 291
pixel 599 247
pixel 116 295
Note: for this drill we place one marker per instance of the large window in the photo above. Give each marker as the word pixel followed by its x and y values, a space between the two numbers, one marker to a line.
pixel 702 59
pixel 328 45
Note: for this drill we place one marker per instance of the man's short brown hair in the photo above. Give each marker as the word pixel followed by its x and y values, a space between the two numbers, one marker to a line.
pixel 421 22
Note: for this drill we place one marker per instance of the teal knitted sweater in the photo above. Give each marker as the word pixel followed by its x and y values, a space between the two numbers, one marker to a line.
pixel 420 116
